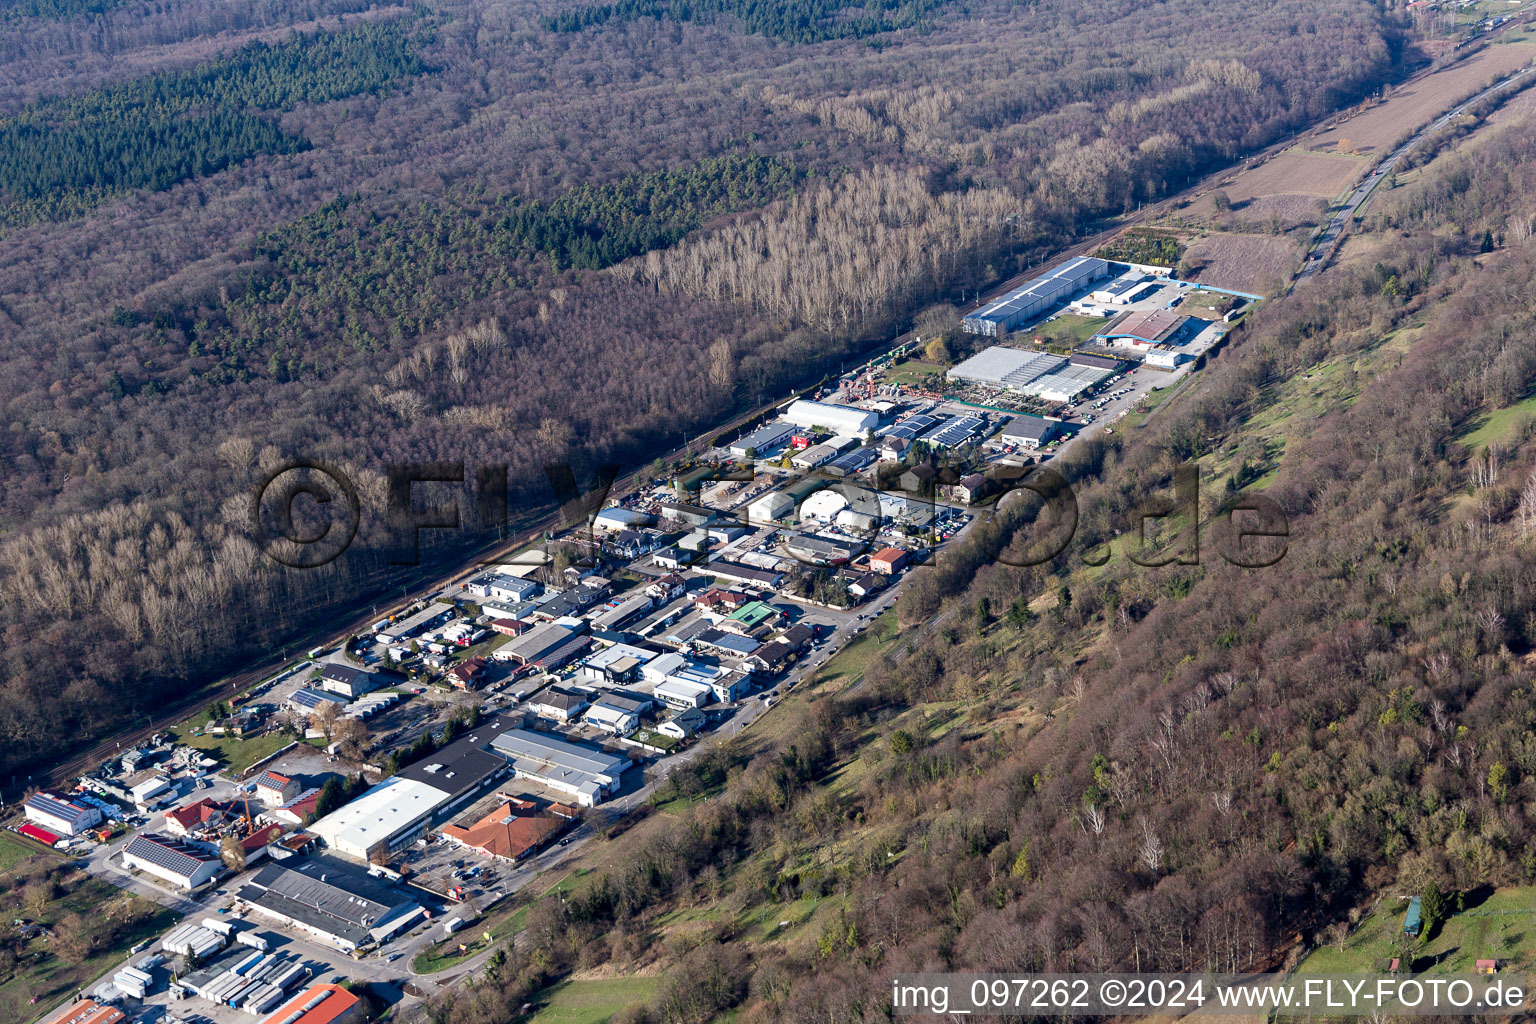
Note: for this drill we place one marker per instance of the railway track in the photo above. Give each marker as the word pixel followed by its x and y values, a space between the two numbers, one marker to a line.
pixel 468 562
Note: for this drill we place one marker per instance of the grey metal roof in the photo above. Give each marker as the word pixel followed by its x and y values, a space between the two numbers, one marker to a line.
pixel 765 436
pixel 326 894
pixel 736 571
pixel 542 748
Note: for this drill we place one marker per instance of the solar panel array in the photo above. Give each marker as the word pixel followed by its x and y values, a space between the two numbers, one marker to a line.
pixel 911 427
pixel 954 431
pixel 853 462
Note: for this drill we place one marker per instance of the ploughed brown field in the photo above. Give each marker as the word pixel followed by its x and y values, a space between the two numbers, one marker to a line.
pixel 1417 103
pixel 1247 263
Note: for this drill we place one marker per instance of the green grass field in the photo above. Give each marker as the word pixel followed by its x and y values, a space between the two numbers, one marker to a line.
pixel 1501 928
pixel 850 663
pixel 237 754
pixel 913 371
pixel 1080 328
pixel 47 977
pixel 1500 425
pixel 14 850
pixel 591 1002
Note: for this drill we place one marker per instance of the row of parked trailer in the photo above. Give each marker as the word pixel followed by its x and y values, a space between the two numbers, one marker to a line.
pixel 257 983
pixel 137 981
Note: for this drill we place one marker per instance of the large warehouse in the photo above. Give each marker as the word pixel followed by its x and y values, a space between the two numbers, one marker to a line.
pixel 586 773
pixel 764 439
pixel 1037 296
pixel 840 419
pixel 1006 367
pixel 1145 328
pixel 397 810
pixel 343 905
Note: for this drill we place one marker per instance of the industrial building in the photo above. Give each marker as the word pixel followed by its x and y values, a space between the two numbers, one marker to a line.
pixel 500 586
pixel 1030 431
pixel 734 572
pixel 86 1011
pixel 397 810
pixel 181 863
pixel 558 703
pixel 334 901
pixel 1124 291
pixel 348 681
pixel 855 461
pixel 839 419
pixel 1066 384
pixel 277 788
pixel 322 1004
pixel 814 456
pixel 536 643
pixel 586 773
pixel 766 438
pixel 615 714
pixel 952 431
pixel 510 832
pixel 1037 296
pixel 59 815
pixel 820 550
pixel 420 622
pixel 612 520
pixel 1144 328
pixel 307 701
pixel 770 508
pixel 1002 367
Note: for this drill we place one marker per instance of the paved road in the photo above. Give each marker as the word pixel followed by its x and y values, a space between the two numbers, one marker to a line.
pixel 1317 256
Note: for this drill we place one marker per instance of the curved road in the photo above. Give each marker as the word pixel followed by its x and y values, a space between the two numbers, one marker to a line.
pixel 1317 256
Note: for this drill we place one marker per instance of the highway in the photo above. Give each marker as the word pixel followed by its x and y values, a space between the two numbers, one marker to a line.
pixel 1323 246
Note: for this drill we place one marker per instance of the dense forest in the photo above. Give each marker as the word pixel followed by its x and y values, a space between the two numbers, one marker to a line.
pixel 62 154
pixel 1094 765
pixel 806 21
pixel 504 243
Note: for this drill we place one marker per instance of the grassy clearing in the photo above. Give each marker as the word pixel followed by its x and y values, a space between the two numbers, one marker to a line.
pixel 912 371
pixel 236 754
pixel 593 1001
pixel 850 663
pixel 14 850
pixel 1079 328
pixel 1500 425
pixel 1499 928
pixel 44 977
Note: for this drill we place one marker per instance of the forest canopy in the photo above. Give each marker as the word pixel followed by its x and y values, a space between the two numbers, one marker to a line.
pixel 458 234
pixel 64 153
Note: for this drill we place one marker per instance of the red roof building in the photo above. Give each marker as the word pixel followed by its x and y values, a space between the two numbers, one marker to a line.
pixel 466 674
pixel 506 834
pixel 889 561
pixel 86 1011
pixel 184 821
pixel 320 1004
pixel 42 835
